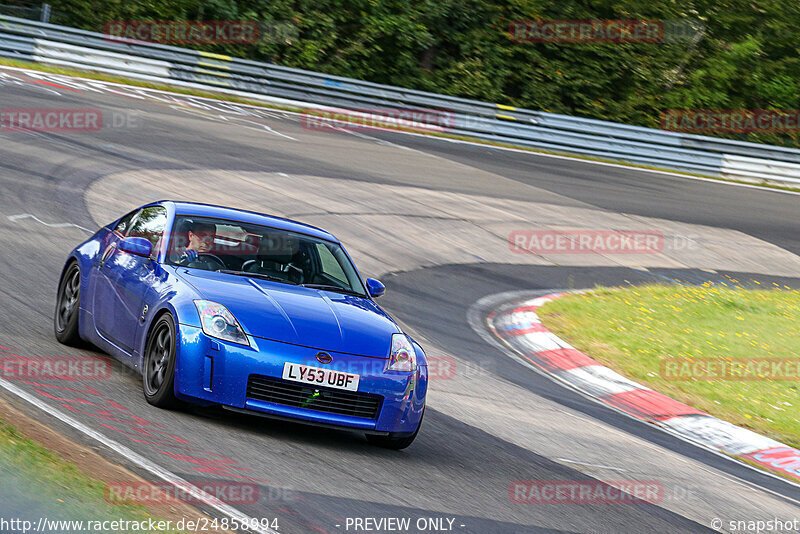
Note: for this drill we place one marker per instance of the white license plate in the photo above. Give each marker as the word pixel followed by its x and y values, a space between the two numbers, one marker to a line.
pixel 320 377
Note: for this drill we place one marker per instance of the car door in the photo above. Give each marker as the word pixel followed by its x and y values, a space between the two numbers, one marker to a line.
pixel 129 276
pixel 100 283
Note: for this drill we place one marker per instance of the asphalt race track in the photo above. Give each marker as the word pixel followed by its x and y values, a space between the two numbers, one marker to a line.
pixel 430 218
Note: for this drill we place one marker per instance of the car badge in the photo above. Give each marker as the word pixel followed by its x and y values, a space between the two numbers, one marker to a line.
pixel 324 357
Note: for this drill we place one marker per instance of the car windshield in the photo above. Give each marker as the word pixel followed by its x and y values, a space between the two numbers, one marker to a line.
pixel 263 252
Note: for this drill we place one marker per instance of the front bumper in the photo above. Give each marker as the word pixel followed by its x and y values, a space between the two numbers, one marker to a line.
pixel 213 371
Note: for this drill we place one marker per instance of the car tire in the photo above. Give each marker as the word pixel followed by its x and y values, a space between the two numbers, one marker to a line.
pixel 392 441
pixel 68 303
pixel 158 369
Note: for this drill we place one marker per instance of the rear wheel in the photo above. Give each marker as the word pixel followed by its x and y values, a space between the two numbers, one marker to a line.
pixel 159 364
pixel 392 441
pixel 68 306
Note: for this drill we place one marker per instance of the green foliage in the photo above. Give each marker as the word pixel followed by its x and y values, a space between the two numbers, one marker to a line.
pixel 746 57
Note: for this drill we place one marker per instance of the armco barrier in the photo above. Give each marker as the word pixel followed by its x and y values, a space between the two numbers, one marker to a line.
pixel 70 47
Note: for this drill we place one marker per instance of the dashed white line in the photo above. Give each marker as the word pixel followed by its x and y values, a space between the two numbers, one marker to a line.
pixel 590 465
pixel 15 218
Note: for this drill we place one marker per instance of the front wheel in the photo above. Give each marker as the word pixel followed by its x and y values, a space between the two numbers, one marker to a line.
pixel 159 364
pixel 393 442
pixel 68 305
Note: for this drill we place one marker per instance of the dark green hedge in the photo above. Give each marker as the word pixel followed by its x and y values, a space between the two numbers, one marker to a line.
pixel 747 57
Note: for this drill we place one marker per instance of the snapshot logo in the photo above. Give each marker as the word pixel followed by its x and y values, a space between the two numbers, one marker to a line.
pixel 192 32
pixel 722 370
pixel 586 242
pixel 585 492
pixel 730 120
pixel 55 368
pixel 366 119
pixel 756 526
pixel 172 493
pixel 64 120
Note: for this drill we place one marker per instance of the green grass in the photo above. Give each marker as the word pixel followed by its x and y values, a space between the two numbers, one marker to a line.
pixel 56 488
pixel 231 98
pixel 633 330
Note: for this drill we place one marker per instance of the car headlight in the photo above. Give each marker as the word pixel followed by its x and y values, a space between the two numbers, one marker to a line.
pixel 403 357
pixel 218 322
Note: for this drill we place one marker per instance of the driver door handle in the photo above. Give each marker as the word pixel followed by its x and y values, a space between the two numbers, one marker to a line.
pixel 106 253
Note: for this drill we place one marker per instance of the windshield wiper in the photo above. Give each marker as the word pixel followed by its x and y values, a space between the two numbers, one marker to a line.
pixel 257 275
pixel 329 287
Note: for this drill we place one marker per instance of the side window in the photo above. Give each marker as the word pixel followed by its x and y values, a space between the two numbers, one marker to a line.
pixel 330 265
pixel 124 224
pixel 150 224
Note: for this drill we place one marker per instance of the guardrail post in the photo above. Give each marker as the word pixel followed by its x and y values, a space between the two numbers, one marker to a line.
pixel 45 12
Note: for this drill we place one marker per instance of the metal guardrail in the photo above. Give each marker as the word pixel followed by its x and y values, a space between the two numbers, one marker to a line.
pixel 47 43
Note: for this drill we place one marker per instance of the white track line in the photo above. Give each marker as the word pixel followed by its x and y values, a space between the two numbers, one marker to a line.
pixel 591 465
pixel 15 218
pixel 137 459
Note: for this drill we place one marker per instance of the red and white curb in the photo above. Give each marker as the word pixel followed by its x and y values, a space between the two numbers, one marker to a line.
pixel 519 327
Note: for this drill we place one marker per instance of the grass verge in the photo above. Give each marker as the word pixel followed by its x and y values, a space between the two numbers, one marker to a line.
pixel 93 75
pixel 55 488
pixel 701 345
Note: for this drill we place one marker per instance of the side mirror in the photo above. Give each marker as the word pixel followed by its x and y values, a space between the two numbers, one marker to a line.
pixel 138 246
pixel 375 288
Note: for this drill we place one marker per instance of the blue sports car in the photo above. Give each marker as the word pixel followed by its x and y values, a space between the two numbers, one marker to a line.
pixel 254 313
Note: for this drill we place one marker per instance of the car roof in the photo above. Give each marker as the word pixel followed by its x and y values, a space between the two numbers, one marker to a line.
pixel 222 212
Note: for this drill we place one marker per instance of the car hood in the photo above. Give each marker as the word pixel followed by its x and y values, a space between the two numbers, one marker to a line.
pixel 315 318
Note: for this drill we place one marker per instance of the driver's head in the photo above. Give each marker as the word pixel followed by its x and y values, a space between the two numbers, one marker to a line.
pixel 201 237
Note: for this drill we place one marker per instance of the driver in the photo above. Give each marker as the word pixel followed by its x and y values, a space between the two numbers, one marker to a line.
pixel 201 241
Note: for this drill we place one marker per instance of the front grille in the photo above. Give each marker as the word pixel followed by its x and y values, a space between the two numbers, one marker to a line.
pixel 326 399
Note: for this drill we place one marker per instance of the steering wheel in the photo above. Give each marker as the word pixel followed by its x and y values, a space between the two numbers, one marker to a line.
pixel 296 269
pixel 202 255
